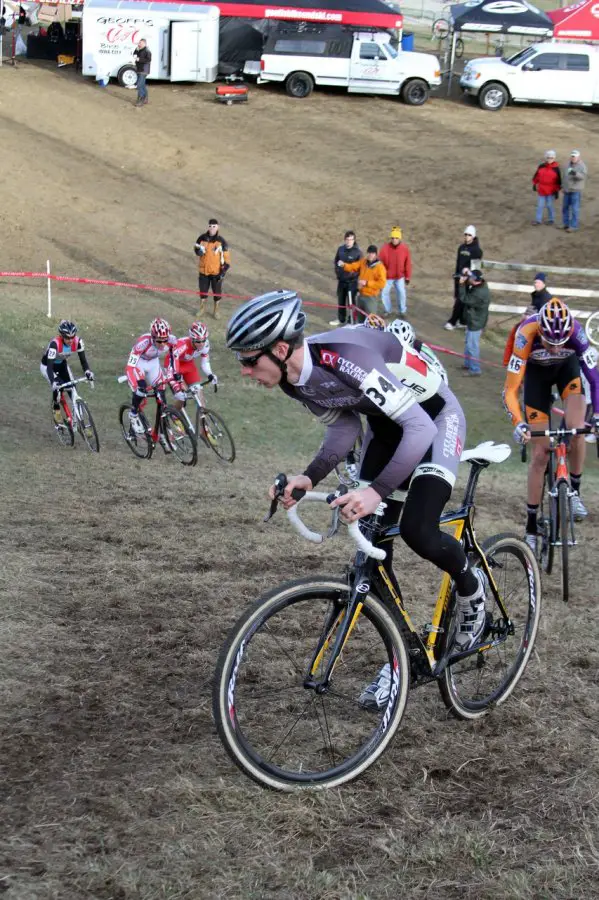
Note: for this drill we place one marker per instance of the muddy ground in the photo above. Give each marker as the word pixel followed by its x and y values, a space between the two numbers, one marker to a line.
pixel 120 579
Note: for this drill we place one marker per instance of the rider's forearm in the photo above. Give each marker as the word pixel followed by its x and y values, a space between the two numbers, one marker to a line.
pixel 83 360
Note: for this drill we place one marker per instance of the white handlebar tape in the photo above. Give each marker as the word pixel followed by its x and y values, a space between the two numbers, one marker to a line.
pixel 294 517
pixel 363 543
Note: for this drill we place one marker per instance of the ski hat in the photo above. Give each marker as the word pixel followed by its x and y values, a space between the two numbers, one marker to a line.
pixel 575 153
pixel 550 154
pixel 396 232
pixel 540 276
pixel 471 230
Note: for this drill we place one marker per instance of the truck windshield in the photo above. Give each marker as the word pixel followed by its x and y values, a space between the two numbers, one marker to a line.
pixel 521 56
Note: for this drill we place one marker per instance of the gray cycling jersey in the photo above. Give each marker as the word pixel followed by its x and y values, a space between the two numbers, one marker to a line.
pixel 349 371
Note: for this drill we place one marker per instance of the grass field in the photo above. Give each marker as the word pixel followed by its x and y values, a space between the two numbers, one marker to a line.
pixel 121 579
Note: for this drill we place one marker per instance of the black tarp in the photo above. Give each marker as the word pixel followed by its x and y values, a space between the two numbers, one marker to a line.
pixel 501 16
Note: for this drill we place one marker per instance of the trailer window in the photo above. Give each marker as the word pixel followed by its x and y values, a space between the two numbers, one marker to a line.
pixel 301 48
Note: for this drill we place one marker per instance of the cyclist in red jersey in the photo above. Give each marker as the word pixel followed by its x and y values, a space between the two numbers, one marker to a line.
pixel 187 349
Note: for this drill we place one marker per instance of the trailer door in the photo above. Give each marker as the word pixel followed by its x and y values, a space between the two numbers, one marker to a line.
pixel 185 51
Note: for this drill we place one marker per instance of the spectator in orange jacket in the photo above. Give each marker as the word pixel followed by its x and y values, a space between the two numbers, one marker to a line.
pixel 395 256
pixel 547 182
pixel 214 261
pixel 371 279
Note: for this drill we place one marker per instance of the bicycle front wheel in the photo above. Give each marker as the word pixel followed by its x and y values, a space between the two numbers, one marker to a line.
pixel 63 429
pixel 216 434
pixel 86 427
pixel 471 686
pixel 564 511
pixel 179 436
pixel 140 443
pixel 547 529
pixel 288 736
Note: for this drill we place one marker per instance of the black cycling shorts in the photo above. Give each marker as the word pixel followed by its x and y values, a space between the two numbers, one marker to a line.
pixel 539 381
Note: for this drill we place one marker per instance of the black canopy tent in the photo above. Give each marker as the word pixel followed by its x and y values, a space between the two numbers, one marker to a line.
pixel 498 17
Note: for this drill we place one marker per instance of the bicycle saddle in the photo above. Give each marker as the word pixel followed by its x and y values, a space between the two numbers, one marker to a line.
pixel 489 451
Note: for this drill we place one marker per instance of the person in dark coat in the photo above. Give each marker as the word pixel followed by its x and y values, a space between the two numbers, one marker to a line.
pixel 470 256
pixel 540 295
pixel 347 282
pixel 143 61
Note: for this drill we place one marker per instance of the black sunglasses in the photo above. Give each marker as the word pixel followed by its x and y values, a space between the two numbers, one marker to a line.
pixel 250 361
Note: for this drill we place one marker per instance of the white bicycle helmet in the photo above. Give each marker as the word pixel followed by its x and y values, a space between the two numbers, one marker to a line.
pixel 402 330
pixel 264 320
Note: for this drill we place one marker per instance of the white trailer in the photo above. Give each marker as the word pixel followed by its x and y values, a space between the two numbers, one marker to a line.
pixel 182 38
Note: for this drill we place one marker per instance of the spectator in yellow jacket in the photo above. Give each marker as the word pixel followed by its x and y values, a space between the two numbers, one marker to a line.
pixel 214 261
pixel 372 278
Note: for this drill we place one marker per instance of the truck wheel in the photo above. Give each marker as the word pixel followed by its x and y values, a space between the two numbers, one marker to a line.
pixel 415 92
pixel 299 85
pixel 493 97
pixel 127 77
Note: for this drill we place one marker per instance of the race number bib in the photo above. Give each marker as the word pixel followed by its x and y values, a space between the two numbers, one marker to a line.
pixel 391 400
pixel 133 360
pixel 515 364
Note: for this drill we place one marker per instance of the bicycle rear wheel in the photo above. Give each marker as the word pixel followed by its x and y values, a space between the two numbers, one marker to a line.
pixel 216 434
pixel 179 436
pixel 471 686
pixel 140 444
pixel 287 736
pixel 64 429
pixel 564 517
pixel 86 427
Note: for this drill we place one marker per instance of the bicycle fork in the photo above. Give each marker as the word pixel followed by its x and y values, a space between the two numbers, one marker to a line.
pixel 339 626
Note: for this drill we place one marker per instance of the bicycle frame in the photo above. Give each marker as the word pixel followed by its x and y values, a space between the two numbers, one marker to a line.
pixel 557 467
pixel 198 396
pixel 68 388
pixel 429 654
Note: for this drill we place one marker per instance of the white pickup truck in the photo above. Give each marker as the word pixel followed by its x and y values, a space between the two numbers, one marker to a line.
pixel 365 63
pixel 549 72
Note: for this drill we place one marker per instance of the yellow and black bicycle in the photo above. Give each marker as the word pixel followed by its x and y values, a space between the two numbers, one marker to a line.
pixel 289 678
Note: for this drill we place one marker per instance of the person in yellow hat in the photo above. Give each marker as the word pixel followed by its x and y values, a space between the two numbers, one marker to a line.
pixel 396 258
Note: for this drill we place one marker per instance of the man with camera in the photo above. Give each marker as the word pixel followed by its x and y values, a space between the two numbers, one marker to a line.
pixel 475 298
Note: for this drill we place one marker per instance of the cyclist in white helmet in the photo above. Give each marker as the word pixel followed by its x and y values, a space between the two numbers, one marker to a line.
pixel 405 334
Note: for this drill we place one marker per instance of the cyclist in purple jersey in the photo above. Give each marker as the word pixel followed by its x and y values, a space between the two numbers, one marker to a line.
pixel 550 348
pixel 415 435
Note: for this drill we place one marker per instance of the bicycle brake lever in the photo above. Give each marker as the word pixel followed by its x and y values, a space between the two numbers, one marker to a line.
pixel 336 520
pixel 280 485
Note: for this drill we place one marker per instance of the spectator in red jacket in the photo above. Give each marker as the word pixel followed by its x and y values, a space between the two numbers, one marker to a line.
pixel 395 256
pixel 547 182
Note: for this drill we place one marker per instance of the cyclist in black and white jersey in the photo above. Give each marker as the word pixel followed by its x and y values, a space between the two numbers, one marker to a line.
pixel 416 427
pixel 55 361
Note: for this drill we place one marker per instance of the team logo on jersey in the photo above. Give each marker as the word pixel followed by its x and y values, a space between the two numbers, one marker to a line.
pixel 521 341
pixel 415 362
pixel 329 358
